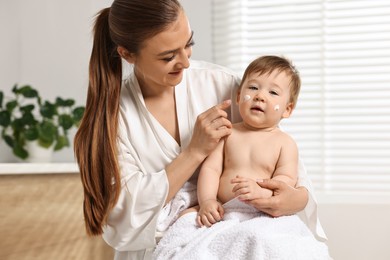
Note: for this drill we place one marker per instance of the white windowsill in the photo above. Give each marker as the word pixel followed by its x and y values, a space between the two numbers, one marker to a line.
pixel 350 197
pixel 38 168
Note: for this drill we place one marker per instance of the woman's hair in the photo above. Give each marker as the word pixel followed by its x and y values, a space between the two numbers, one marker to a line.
pixel 128 23
pixel 267 64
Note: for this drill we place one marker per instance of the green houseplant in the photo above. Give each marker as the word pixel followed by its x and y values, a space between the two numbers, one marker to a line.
pixel 26 117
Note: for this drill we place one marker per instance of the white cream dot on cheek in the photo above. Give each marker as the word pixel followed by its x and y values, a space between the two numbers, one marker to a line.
pixel 276 107
pixel 247 97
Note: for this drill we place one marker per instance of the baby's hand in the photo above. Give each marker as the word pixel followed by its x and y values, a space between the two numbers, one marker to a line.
pixel 248 189
pixel 210 212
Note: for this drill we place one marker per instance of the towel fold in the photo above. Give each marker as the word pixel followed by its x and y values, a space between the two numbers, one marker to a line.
pixel 244 233
pixel 185 198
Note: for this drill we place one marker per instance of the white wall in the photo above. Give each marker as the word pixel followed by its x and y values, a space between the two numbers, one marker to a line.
pixel 358 231
pixel 9 55
pixel 199 15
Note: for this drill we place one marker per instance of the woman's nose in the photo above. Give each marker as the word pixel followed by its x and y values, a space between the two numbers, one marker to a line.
pixel 185 58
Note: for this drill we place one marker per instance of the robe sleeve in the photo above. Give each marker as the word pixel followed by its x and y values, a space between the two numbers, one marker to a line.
pixel 310 213
pixel 131 225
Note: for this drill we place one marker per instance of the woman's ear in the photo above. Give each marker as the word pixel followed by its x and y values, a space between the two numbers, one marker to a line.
pixel 125 54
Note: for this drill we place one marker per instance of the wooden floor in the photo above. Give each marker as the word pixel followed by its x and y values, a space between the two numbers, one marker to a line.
pixel 41 218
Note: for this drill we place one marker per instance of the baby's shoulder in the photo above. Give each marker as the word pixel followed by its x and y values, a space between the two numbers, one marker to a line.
pixel 285 139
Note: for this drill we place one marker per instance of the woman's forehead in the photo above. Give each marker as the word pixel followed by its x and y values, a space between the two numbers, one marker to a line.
pixel 173 37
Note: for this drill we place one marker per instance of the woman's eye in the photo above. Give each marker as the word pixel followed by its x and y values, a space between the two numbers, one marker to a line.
pixel 190 44
pixel 169 58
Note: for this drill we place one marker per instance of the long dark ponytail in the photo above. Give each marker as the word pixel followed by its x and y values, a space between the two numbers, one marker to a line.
pixel 95 141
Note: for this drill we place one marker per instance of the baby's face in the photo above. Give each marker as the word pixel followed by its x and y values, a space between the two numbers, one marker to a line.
pixel 264 99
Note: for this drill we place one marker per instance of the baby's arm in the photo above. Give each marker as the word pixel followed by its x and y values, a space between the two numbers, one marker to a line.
pixel 248 189
pixel 287 166
pixel 210 211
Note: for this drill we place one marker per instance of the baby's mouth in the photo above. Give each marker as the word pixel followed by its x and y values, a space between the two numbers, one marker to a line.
pixel 257 108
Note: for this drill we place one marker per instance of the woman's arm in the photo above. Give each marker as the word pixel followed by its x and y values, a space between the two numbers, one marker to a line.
pixel 210 127
pixel 286 200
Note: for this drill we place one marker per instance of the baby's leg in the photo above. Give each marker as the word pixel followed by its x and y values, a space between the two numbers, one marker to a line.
pixel 192 209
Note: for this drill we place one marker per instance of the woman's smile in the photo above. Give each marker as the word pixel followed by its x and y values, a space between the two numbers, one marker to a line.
pixel 176 73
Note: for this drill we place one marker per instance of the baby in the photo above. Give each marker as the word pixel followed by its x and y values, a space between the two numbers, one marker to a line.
pixel 257 149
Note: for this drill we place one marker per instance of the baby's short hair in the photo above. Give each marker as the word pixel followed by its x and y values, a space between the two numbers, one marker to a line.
pixel 268 64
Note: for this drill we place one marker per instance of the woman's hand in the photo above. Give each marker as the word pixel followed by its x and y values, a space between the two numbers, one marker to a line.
pixel 286 200
pixel 210 127
pixel 248 189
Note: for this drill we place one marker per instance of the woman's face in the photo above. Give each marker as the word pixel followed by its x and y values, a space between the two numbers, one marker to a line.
pixel 160 63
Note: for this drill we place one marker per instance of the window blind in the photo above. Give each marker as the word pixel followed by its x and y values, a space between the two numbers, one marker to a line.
pixel 342 51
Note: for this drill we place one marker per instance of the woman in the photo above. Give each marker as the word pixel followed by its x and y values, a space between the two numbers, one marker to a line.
pixel 141 140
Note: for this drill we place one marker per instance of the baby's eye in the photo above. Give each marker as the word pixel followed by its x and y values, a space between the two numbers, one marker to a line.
pixel 169 58
pixel 253 87
pixel 272 92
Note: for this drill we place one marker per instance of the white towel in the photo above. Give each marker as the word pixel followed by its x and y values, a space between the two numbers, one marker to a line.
pixel 186 197
pixel 244 234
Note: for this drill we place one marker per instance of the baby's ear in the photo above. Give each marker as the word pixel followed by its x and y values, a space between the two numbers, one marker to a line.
pixel 238 96
pixel 288 111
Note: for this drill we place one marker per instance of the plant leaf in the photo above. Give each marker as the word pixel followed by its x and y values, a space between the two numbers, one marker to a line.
pixel 62 141
pixel 5 118
pixel 69 102
pixel 31 133
pixel 9 140
pixel 64 102
pixel 60 102
pixel 27 91
pixel 66 121
pixel 45 143
pixel 1 99
pixel 11 105
pixel 78 113
pixel 17 124
pixel 15 88
pixel 28 119
pixel 20 152
pixel 47 132
pixel 27 108
pixel 48 110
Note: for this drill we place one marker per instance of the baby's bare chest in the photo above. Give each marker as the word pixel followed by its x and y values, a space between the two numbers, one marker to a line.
pixel 259 152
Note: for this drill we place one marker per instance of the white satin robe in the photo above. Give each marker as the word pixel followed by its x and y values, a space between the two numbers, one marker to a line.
pixel 145 148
